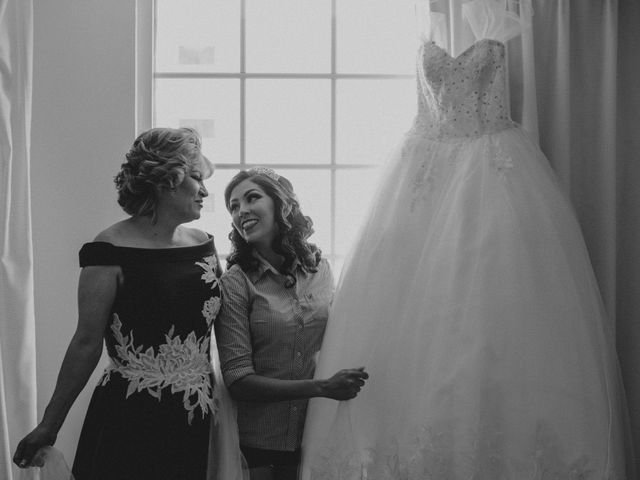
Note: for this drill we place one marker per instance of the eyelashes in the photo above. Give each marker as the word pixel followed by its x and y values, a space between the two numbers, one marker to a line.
pixel 250 199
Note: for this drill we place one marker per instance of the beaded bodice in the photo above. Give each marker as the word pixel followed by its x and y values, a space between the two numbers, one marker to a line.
pixel 463 96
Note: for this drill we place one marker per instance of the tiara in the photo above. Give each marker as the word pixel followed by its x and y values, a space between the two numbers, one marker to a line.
pixel 266 171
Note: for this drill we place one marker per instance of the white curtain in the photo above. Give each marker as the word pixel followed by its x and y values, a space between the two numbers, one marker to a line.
pixel 17 328
pixel 587 67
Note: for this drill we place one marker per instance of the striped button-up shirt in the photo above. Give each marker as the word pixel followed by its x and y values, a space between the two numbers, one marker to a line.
pixel 267 329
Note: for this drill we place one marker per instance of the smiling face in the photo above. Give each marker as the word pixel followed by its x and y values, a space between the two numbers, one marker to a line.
pixel 253 214
pixel 185 202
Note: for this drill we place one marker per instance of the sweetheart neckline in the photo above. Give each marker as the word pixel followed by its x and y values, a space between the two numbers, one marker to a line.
pixel 466 50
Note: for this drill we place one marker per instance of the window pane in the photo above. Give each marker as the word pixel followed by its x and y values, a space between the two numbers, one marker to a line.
pixel 210 106
pixel 197 36
pixel 288 121
pixel 354 191
pixel 376 36
pixel 313 189
pixel 371 116
pixel 214 217
pixel 288 36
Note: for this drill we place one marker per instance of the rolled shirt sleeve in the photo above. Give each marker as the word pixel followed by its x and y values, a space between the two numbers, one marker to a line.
pixel 233 332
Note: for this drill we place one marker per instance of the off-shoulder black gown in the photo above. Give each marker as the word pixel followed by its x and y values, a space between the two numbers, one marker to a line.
pixel 149 416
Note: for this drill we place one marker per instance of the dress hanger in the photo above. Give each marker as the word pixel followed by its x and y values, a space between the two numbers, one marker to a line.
pixel 496 19
pixel 430 25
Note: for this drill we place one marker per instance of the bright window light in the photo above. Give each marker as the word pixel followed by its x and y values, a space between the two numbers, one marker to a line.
pixel 319 90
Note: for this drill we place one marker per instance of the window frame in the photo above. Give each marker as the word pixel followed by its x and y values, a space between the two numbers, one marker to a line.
pixel 145 115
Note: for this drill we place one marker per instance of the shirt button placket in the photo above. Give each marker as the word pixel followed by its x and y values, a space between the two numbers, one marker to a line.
pixel 297 367
pixel 298 338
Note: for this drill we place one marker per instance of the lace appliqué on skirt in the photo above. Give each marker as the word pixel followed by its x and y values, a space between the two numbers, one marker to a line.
pixel 502 162
pixel 425 173
pixel 181 365
pixel 422 182
pixel 433 456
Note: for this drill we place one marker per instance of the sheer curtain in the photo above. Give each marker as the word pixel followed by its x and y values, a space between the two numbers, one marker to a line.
pixel 17 336
pixel 586 72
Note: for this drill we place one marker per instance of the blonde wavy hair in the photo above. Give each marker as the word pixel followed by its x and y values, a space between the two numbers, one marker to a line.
pixel 159 159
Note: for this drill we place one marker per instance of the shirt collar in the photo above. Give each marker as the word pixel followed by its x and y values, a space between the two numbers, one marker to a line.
pixel 264 266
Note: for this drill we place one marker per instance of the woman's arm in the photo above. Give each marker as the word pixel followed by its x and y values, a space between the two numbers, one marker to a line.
pixel 344 385
pixel 236 356
pixel 96 292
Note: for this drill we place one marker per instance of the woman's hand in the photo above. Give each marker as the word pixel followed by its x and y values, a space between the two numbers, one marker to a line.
pixel 39 437
pixel 345 384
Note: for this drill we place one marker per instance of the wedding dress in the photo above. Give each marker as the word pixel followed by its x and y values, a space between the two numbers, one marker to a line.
pixel 470 299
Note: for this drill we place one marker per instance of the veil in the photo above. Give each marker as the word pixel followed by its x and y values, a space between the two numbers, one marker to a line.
pixel 225 459
pixel 50 465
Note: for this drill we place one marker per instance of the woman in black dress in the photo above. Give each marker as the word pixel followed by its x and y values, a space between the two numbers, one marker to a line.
pixel 149 289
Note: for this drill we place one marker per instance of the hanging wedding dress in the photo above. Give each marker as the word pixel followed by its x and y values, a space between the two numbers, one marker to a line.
pixel 470 299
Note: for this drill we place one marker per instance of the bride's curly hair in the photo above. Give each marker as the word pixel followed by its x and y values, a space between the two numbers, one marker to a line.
pixel 159 158
pixel 294 228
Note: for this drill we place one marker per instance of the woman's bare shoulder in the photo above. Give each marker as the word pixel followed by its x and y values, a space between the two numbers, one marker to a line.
pixel 116 234
pixel 195 235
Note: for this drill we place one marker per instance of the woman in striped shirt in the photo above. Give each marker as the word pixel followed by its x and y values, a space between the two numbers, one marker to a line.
pixel 275 304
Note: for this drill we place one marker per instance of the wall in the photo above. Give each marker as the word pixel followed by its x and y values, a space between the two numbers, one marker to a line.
pixel 83 123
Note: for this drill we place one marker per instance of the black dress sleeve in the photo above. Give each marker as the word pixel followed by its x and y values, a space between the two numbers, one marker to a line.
pixel 99 253
pixel 215 252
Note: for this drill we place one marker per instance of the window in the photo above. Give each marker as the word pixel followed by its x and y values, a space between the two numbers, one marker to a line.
pixel 319 90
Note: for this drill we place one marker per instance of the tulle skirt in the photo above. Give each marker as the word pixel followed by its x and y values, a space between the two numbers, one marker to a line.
pixel 470 299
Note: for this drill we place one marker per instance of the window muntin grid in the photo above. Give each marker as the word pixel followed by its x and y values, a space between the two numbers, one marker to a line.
pixel 341 119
